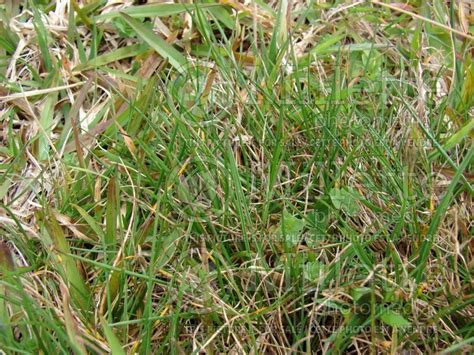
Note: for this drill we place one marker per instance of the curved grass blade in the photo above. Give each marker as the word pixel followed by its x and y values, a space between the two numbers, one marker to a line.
pixel 163 48
pixel 6 266
pixel 440 211
pixel 156 10
pixel 109 57
pixel 65 263
pixel 114 343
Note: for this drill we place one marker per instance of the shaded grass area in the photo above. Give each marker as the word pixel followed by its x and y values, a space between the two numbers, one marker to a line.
pixel 236 176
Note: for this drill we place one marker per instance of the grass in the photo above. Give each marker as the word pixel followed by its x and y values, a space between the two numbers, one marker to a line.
pixel 282 177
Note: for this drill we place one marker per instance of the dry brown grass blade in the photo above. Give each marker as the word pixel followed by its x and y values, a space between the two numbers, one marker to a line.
pixel 150 64
pixel 38 92
pixel 71 324
pixel 128 141
pixel 87 139
pixel 6 258
pixel 463 19
pixel 73 117
pixel 22 104
pixel 209 81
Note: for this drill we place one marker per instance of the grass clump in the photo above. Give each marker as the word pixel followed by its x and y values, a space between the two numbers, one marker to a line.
pixel 236 176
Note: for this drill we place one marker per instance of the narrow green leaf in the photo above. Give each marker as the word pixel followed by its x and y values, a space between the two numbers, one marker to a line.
pixel 458 348
pixel 457 137
pixel 168 247
pixel 4 187
pixel 361 295
pixel 65 264
pixel 113 56
pixel 111 213
pixel 362 253
pixel 323 47
pixel 436 220
pixel 114 343
pixel 46 122
pixel 222 15
pixel 90 221
pixel 280 32
pixel 6 266
pixel 393 319
pixel 81 14
pixel 42 35
pixel 163 48
pixel 327 43
pixel 156 10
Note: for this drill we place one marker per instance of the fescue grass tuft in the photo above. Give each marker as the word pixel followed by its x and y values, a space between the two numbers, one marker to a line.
pixel 236 177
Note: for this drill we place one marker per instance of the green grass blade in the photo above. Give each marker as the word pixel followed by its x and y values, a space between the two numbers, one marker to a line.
pixel 423 253
pixel 156 10
pixel 114 343
pixel 46 121
pixel 112 211
pixel 109 57
pixel 42 39
pixel 66 264
pixel 164 49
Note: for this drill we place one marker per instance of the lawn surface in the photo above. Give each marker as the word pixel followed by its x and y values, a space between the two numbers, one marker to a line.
pixel 236 176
